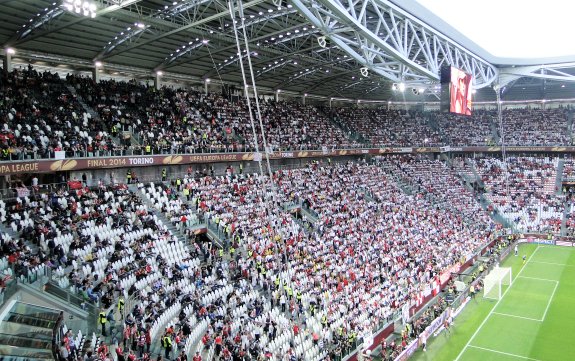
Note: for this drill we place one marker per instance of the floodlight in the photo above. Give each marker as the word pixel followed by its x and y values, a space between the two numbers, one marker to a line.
pixel 87 8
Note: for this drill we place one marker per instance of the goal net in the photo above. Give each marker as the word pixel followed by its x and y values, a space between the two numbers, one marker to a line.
pixel 496 281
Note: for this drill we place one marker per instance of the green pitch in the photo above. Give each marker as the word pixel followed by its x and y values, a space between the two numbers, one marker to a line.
pixel 534 320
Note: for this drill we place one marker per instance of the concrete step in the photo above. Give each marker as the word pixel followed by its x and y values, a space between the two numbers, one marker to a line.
pixel 559 176
pixel 564 219
pixel 172 228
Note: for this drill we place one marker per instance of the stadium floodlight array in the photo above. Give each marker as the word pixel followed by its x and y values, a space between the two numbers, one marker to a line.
pixel 498 277
pixel 84 7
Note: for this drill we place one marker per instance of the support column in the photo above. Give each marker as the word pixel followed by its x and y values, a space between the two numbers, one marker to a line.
pixel 303 99
pixel 96 75
pixel 157 80
pixel 206 86
pixel 277 95
pixel 7 63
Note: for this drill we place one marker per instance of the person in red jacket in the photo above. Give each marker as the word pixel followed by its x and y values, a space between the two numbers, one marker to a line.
pixel 148 340
pixel 120 353
pixel 197 356
pixel 218 341
pixel 132 356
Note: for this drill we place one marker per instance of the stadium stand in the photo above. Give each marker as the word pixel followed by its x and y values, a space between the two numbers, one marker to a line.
pixel 382 127
pixel 306 263
pixel 107 241
pixel 528 198
pixel 41 116
pixel 533 127
pixel 474 130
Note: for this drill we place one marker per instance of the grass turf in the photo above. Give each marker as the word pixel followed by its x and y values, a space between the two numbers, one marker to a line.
pixel 535 319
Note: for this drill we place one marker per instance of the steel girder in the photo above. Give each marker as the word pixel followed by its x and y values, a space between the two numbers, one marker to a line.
pixel 42 22
pixel 391 42
pixel 555 72
pixel 196 22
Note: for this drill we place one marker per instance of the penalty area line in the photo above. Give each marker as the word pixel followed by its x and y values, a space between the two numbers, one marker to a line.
pixel 503 353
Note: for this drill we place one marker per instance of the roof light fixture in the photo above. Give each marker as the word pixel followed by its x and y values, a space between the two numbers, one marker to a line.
pixel 86 8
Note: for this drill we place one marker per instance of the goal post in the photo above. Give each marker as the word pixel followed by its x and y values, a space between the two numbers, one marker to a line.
pixel 494 282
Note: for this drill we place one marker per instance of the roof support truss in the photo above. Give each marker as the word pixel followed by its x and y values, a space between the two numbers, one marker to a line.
pixel 390 42
pixel 549 71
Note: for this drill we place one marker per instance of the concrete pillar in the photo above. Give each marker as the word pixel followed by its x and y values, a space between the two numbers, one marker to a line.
pixel 303 99
pixel 277 96
pixel 206 86
pixel 157 80
pixel 7 63
pixel 96 74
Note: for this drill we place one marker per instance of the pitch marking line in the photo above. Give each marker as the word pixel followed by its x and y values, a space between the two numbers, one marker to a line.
pixel 503 353
pixel 550 299
pixel 524 318
pixel 554 264
pixel 494 307
pixel 538 279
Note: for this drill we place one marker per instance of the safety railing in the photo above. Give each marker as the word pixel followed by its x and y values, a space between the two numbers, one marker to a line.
pixel 9 289
pixel 16 154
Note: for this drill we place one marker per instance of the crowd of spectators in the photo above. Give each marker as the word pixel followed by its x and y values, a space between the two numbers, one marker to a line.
pixel 185 121
pixel 382 127
pixel 39 116
pixel 526 192
pixel 275 288
pixel 292 126
pixel 462 130
pixel 567 189
pixel 440 182
pixel 536 127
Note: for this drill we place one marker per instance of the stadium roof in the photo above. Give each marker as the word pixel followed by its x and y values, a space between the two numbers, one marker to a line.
pixel 195 39
pixel 504 32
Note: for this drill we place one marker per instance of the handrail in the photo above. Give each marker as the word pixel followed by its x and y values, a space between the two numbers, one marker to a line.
pixel 130 151
pixel 52 288
pixel 11 287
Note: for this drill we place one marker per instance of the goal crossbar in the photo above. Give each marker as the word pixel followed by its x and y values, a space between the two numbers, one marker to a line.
pixel 498 277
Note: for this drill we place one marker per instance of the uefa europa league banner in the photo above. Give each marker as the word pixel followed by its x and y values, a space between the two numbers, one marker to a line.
pixel 69 164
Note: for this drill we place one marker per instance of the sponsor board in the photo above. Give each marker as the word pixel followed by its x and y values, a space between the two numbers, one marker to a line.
pixel 564 243
pixel 412 347
pixel 26 167
pixel 504 254
pixel 409 350
pixel 437 323
pixel 69 164
pixel 540 240
pixel 444 277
